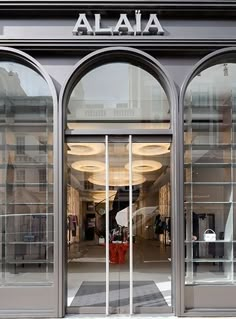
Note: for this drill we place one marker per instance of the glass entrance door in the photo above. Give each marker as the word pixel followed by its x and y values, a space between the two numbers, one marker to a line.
pixel 118 225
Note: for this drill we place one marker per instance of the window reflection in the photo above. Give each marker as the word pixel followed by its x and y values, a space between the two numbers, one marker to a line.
pixel 115 94
pixel 26 176
pixel 209 138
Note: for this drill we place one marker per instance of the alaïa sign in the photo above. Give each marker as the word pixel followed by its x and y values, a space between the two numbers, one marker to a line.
pixel 123 25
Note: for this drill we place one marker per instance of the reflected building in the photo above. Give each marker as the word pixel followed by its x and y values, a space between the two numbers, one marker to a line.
pixel 26 176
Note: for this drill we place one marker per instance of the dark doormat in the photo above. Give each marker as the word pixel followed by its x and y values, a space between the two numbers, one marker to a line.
pixel 93 294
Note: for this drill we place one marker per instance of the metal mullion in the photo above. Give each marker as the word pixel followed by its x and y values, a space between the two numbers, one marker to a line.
pixel 130 229
pixel 107 224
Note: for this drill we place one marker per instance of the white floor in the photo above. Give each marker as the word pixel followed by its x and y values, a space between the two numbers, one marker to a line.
pixel 152 264
pixel 75 280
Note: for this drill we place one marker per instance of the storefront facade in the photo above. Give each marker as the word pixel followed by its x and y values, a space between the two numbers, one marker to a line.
pixel 112 112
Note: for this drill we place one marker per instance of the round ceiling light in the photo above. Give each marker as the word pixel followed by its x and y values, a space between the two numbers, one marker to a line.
pixel 88 166
pixel 85 149
pixel 117 177
pixel 144 166
pixel 149 149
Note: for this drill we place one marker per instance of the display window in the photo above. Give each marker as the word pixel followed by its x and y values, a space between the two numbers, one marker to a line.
pixel 209 177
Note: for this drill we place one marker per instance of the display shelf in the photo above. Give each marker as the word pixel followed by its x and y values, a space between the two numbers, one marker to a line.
pixel 209 203
pixel 206 121
pixel 207 242
pixel 27 184
pixel 25 203
pixel 44 243
pixel 27 214
pixel 209 281
pixel 27 126
pixel 19 283
pixel 208 260
pixel 210 183
pixel 209 186
pixel 26 167
pixel 209 172
pixel 207 147
pixel 32 147
pixel 28 261
pixel 209 165
pixel 29 165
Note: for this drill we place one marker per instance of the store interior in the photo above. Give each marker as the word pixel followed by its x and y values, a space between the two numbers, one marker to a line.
pixel 86 226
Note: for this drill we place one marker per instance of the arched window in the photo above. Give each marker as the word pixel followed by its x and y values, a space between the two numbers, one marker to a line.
pixel 210 175
pixel 26 173
pixel 118 95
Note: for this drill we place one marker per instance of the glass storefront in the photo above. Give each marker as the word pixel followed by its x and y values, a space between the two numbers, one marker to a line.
pixel 116 206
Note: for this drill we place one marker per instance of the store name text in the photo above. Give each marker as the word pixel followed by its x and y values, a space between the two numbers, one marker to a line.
pixel 123 25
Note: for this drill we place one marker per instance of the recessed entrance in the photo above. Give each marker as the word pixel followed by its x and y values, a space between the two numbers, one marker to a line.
pixel 120 164
pixel 118 225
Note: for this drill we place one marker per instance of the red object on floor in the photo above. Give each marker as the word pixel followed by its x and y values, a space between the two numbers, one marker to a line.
pixel 113 256
pixel 117 252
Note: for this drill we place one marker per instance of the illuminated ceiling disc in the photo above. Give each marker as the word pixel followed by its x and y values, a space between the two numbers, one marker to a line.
pixel 117 177
pixel 144 166
pixel 85 149
pixel 88 166
pixel 149 149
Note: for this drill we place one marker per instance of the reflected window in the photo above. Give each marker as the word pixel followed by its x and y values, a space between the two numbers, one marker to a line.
pixel 116 95
pixel 20 145
pixel 20 176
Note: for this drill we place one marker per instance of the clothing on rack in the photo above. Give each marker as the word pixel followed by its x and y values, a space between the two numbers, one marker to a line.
pixel 160 225
pixel 168 226
pixel 72 224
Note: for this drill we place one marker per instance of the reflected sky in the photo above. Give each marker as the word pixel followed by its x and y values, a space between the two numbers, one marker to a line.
pixel 109 78
pixel 118 92
pixel 217 79
pixel 115 81
pixel 30 81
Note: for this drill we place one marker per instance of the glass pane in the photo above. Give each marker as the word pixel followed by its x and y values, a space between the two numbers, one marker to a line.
pixel 86 253
pixel 119 222
pixel 125 96
pixel 209 176
pixel 152 228
pixel 26 176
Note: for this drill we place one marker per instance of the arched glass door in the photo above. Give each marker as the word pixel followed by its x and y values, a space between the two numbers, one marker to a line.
pixel 118 157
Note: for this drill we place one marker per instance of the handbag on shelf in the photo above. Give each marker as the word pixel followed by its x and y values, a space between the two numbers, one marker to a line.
pixel 209 235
